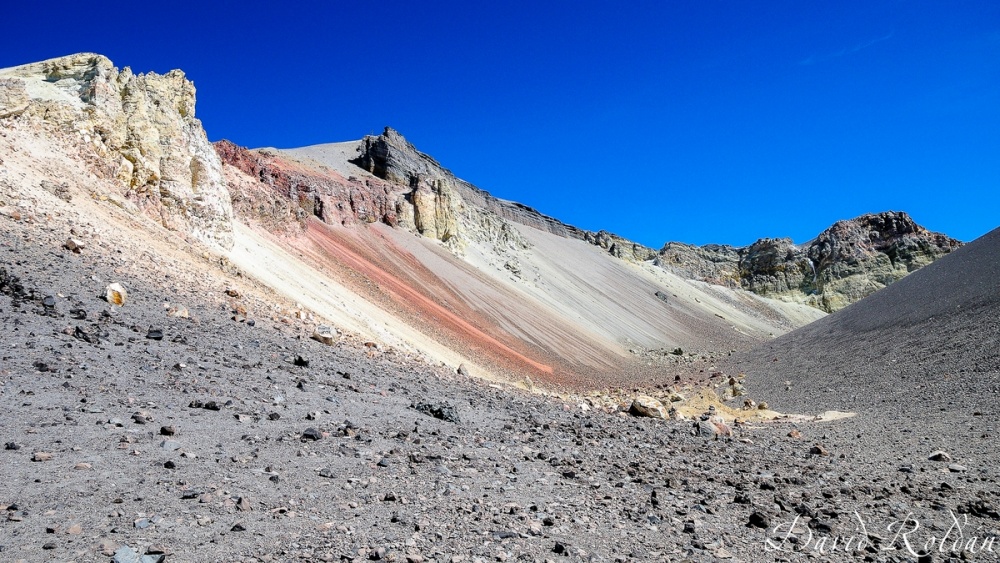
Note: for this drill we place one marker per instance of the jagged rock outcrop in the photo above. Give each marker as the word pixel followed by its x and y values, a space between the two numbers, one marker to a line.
pixel 435 203
pixel 845 263
pixel 713 263
pixel 620 247
pixel 139 129
pixel 436 190
pixel 295 192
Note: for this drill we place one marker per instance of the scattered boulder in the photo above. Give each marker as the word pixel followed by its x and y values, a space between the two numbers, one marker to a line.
pixel 115 294
pixel 325 334
pixel 439 411
pixel 311 435
pixel 644 405
pixel 818 449
pixel 73 245
pixel 759 520
pixel 939 455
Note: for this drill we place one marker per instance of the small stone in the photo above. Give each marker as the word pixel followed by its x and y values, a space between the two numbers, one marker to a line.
pixel 311 434
pixel 939 455
pixel 956 468
pixel 49 545
pixel 273 416
pixel 328 473
pixel 795 434
pixel 167 431
pixel 644 405
pixel 154 334
pixel 126 554
pixel 169 464
pixel 759 520
pixel 73 245
pixel 11 446
pixel 325 334
pixel 238 527
pixel 243 504
pixel 41 456
pixel 300 362
pixel 115 294
pixel 560 549
pixel 74 530
pixel 82 466
pixel 384 462
pixel 178 312
pixel 818 449
pixel 463 371
pixel 170 445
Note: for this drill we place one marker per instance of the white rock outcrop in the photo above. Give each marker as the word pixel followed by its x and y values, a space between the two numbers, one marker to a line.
pixel 139 129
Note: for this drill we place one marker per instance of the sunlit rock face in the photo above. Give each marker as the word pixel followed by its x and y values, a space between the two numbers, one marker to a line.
pixel 845 263
pixel 139 129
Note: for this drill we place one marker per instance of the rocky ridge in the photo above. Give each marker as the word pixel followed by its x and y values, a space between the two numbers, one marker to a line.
pixel 137 129
pixel 845 263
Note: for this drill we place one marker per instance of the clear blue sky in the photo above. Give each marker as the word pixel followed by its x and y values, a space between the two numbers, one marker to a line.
pixel 700 121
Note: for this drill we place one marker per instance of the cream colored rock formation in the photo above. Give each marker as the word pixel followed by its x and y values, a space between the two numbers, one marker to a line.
pixel 139 129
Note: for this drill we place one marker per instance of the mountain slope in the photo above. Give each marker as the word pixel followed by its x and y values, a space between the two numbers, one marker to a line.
pixel 928 340
pixel 845 263
pixel 489 283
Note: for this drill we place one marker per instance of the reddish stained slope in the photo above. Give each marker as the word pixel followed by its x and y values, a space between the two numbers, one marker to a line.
pixel 450 316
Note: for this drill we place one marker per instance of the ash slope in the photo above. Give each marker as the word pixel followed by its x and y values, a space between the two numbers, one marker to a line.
pixel 924 346
pixel 486 282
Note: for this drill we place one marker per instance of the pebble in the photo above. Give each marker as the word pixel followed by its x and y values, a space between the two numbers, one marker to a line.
pixel 170 445
pixel 311 434
pixel 759 520
pixel 939 455
pixel 41 456
pixel 115 294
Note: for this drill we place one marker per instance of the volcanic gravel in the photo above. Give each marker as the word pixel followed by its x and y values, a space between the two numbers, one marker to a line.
pixel 227 436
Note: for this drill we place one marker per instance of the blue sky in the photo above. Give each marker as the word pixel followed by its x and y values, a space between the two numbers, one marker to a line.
pixel 699 121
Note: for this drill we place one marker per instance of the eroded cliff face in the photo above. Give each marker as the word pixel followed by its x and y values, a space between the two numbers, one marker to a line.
pixel 437 193
pixel 282 193
pixel 845 263
pixel 139 129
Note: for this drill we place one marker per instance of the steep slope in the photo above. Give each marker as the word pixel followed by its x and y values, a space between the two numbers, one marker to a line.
pixel 485 282
pixel 845 263
pixel 926 344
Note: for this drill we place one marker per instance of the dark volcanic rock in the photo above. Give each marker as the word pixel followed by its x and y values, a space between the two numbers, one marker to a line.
pixel 845 263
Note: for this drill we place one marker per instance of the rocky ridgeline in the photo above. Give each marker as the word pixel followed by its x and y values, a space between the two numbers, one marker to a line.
pixel 138 129
pixel 845 263
pixel 286 194
pixel 392 157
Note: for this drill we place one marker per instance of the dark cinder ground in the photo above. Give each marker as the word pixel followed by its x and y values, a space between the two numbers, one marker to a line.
pixel 269 459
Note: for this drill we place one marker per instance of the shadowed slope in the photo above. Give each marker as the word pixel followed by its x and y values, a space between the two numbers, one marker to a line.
pixel 929 340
